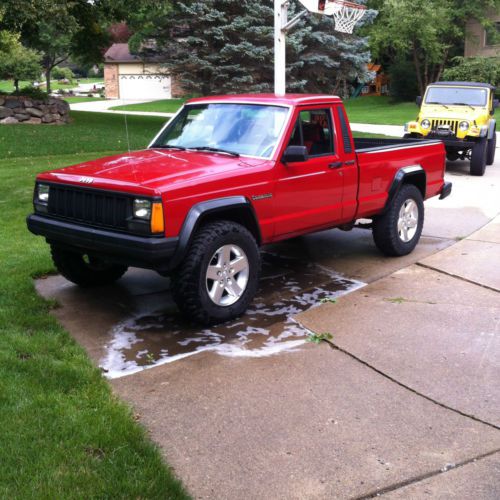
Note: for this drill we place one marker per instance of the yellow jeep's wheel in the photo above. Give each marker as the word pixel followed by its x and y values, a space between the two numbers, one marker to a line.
pixel 490 151
pixel 478 157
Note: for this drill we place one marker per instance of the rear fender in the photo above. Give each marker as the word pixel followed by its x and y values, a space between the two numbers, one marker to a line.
pixel 413 174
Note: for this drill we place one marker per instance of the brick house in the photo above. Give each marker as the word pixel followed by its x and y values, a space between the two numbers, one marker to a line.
pixel 481 42
pixel 127 76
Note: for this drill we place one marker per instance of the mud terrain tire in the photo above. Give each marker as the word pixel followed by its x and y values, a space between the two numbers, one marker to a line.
pixel 478 157
pixel 195 293
pixel 388 229
pixel 84 270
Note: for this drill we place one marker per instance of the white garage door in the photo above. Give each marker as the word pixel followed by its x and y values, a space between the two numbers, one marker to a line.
pixel 145 87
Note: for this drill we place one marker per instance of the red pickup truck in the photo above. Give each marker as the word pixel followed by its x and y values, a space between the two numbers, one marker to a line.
pixel 225 176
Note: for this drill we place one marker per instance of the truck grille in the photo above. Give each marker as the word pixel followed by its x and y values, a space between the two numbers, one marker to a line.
pixel 93 207
pixel 452 123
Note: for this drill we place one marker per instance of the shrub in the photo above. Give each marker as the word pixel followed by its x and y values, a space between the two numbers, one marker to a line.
pixel 34 93
pixel 474 69
pixel 59 73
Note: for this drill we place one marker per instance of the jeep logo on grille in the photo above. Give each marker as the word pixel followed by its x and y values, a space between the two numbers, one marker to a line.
pixel 86 180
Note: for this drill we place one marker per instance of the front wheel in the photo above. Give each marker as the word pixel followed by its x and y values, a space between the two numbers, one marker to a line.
pixel 490 150
pixel 219 276
pixel 398 230
pixel 478 157
pixel 85 270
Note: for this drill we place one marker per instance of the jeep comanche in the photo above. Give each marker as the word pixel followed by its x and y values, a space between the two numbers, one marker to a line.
pixel 225 176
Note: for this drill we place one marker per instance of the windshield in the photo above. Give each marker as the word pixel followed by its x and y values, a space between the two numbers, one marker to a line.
pixel 456 95
pixel 246 129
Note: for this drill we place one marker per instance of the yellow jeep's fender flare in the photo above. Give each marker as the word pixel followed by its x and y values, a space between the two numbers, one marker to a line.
pixel 491 128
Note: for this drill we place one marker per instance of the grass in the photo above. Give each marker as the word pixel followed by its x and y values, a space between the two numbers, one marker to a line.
pixel 87 133
pixel 64 434
pixel 370 109
pixel 8 85
pixel 74 100
pixel 380 111
pixel 163 106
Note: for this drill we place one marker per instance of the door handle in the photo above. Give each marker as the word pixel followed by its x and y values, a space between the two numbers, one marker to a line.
pixel 337 164
pixel 350 162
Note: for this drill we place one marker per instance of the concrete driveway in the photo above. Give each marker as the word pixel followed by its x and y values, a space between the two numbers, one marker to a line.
pixel 404 402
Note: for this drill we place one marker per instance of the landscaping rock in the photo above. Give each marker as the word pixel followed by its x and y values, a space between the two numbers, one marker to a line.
pixel 35 112
pixel 10 120
pixel 4 112
pixel 33 121
pixel 27 110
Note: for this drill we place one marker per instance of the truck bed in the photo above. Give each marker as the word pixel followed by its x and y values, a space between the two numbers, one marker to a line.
pixel 373 144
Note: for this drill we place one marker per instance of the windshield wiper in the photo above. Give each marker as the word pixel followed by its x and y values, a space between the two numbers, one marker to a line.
pixel 215 150
pixel 440 103
pixel 463 104
pixel 169 146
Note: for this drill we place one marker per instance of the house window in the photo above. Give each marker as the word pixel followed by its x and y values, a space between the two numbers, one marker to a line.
pixel 492 34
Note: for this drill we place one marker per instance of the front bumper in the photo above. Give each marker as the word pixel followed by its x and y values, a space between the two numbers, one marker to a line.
pixel 137 251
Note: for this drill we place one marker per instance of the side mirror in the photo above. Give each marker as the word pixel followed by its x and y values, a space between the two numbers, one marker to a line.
pixel 418 101
pixel 294 154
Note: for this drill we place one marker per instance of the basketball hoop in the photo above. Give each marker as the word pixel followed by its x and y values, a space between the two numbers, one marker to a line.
pixel 345 13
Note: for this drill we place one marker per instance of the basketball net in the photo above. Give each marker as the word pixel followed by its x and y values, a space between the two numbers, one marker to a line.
pixel 345 13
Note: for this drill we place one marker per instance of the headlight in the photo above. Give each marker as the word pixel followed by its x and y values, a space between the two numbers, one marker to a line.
pixel 425 124
pixel 42 194
pixel 142 209
pixel 463 126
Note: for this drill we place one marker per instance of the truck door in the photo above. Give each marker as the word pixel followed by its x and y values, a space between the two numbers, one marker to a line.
pixel 309 194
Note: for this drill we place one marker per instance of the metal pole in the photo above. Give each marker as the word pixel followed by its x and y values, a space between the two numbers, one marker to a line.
pixel 280 20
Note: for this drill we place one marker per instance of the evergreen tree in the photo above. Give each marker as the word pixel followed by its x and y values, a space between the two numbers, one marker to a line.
pixel 223 46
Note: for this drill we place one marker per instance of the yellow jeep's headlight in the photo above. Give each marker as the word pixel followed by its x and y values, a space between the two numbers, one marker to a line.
pixel 463 126
pixel 425 124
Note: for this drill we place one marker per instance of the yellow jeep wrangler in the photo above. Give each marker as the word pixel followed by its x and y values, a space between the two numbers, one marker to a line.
pixel 461 115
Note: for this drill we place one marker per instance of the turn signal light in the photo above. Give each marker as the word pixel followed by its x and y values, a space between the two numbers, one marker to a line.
pixel 157 222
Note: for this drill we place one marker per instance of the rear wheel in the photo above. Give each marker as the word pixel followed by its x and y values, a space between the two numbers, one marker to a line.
pixel 478 157
pixel 85 270
pixel 219 276
pixel 398 230
pixel 490 150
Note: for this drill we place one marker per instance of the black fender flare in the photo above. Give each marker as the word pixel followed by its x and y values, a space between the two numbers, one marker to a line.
pixel 491 128
pixel 412 174
pixel 199 211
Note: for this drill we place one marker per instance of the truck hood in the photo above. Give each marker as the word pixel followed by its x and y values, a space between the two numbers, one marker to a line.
pixel 435 111
pixel 152 169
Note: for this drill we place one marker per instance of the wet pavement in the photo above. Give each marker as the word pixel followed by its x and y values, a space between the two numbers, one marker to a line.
pixel 251 410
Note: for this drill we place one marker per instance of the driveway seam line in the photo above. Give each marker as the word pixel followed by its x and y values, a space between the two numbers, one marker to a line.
pixel 423 477
pixel 426 266
pixel 408 388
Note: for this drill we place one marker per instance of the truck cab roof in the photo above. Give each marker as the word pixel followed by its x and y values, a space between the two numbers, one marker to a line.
pixel 269 99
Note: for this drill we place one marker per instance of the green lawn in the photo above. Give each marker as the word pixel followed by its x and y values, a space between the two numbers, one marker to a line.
pixel 379 110
pixel 164 106
pixel 74 100
pixel 372 109
pixel 64 434
pixel 8 85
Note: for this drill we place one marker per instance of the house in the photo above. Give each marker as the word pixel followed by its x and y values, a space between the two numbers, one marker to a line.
pixel 127 76
pixel 481 42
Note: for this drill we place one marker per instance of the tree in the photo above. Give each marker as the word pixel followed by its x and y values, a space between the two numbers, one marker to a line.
pixel 428 33
pixel 59 29
pixel 223 46
pixel 475 69
pixel 20 63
